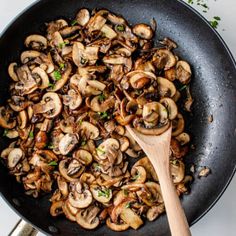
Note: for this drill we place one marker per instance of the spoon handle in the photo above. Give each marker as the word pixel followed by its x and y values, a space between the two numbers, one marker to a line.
pixel 175 213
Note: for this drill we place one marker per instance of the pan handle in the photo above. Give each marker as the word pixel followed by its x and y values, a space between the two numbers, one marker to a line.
pixel 22 228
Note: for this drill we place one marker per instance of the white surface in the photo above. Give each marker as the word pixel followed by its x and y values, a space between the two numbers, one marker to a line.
pixel 221 220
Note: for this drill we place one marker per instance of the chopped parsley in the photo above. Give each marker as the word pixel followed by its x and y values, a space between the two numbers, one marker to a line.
pixel 120 28
pixel 104 193
pixel 51 85
pixel 83 60
pixel 62 65
pixel 96 167
pixel 100 150
pixel 5 133
pixel 127 205
pixel 101 97
pixel 104 115
pixel 83 142
pixel 50 146
pixel 126 192
pixel 182 88
pixel 62 45
pixel 217 18
pixel 57 75
pixel 214 23
pixel 80 122
pixel 135 177
pixel 31 134
pixel 52 163
pixel 74 22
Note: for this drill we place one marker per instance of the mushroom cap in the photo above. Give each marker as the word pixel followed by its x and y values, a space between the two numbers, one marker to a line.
pixel 83 16
pixel 14 157
pixel 143 31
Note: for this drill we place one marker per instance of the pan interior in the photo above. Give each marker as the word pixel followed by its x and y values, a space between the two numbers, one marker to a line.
pixel 213 87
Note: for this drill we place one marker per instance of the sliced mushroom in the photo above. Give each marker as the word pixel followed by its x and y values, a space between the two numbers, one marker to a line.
pixel 83 17
pixel 41 76
pixel 84 156
pixel 67 143
pixel 115 226
pixel 50 106
pixel 101 193
pixel 14 157
pixel 164 59
pixel 73 99
pixel 131 218
pixel 138 174
pixel 108 32
pixel 155 211
pixel 177 169
pixel 183 138
pixel 177 150
pixel 103 106
pixel 171 107
pixel 166 87
pixel 90 130
pixel 88 218
pixel 81 198
pixel 22 119
pixel 12 71
pixel 183 72
pixel 178 125
pixel 143 31
pixel 5 118
pixel 27 56
pixel 87 178
pixel 36 42
pixel 56 208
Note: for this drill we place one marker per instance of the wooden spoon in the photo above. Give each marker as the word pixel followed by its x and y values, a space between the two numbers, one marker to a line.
pixel 157 148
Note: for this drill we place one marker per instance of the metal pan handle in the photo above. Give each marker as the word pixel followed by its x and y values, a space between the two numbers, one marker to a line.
pixel 22 228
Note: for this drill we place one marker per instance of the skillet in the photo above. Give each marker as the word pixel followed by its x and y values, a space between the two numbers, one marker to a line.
pixel 213 88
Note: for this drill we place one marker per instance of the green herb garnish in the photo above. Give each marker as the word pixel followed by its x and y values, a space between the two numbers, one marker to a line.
pixel 31 134
pixel 100 150
pixel 52 163
pixel 83 142
pixel 74 22
pixel 62 45
pixel 104 193
pixel 101 97
pixel 51 85
pixel 120 28
pixel 57 74
pixel 96 167
pixel 127 205
pixel 214 23
pixel 217 18
pixel 83 60
pixel 62 65
pixel 104 115
pixel 80 122
pixel 50 146
pixel 182 88
pixel 126 192
pixel 135 177
pixel 5 133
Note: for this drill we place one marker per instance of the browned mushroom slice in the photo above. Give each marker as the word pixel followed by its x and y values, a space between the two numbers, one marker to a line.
pixel 50 106
pixel 63 78
pixel 87 218
pixel 155 211
pixel 56 208
pixel 87 178
pixel 12 71
pixel 150 171
pixel 139 174
pixel 183 72
pixel 143 31
pixel 83 55
pixel 83 17
pixel 183 138
pixel 66 207
pixel 67 143
pixel 102 106
pixel 73 99
pixel 84 156
pixel 108 32
pixel 177 169
pixel 96 22
pixel 164 59
pixel 116 226
pixel 138 79
pixel 36 42
pixel 6 120
pixel 178 125
pixel 117 60
pixel 101 193
pixel 90 130
pixel 171 107
pixel 14 157
pixel 41 77
pixel 131 218
pixel 27 56
pixel 80 198
pixel 22 119
pixel 177 150
pixel 189 100
pixel 12 134
pixel 54 26
pixel 166 87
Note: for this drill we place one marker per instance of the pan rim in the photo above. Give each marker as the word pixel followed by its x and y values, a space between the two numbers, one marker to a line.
pixel 203 21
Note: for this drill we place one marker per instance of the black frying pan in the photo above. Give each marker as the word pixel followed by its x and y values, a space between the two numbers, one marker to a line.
pixel 214 90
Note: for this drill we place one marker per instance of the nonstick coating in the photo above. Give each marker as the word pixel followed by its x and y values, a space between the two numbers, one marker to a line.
pixel 214 91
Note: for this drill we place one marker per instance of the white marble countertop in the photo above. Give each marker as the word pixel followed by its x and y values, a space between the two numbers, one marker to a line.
pixel 221 220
